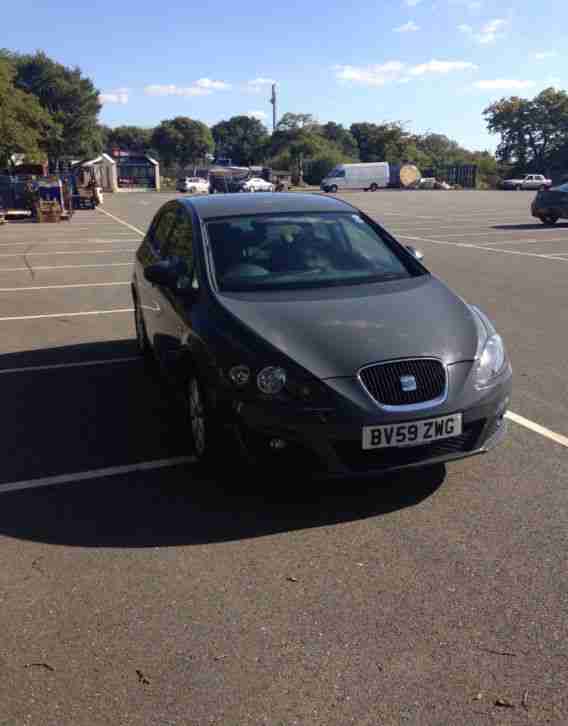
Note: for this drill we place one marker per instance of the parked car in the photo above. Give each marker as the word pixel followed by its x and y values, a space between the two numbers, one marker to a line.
pixel 551 205
pixel 2 214
pixel 299 328
pixel 256 184
pixel 529 181
pixel 193 185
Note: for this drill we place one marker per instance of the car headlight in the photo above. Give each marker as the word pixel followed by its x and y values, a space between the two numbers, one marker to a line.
pixel 271 380
pixel 490 357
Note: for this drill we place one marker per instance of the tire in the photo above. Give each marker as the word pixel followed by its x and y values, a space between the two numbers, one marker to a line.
pixel 549 220
pixel 518 188
pixel 333 189
pixel 141 335
pixel 542 188
pixel 373 187
pixel 200 421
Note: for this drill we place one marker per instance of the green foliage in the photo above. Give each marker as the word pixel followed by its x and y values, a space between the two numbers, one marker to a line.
pixel 70 99
pixel 534 133
pixel 341 137
pixel 242 139
pixel 182 141
pixel 24 125
pixel 129 138
pixel 322 164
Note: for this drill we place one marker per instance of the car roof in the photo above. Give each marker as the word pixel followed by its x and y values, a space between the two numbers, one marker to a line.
pixel 235 204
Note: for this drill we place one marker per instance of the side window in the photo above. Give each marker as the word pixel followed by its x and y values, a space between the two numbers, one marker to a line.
pixel 180 240
pixel 162 227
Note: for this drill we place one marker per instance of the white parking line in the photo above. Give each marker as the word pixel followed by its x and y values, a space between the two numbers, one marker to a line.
pixel 95 474
pixel 481 247
pixel 537 428
pixel 94 241
pixel 121 221
pixel 61 287
pixel 65 252
pixel 64 267
pixel 67 315
pixel 78 364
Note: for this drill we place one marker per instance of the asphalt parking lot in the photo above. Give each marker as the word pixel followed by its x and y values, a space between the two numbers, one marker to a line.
pixel 135 592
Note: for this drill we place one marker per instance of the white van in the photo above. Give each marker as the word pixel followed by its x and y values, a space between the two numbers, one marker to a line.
pixel 373 176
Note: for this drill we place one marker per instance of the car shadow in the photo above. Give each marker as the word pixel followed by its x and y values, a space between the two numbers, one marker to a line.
pixel 537 225
pixel 174 507
pixel 85 407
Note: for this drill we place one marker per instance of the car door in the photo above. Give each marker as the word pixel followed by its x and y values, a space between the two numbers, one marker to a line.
pixel 173 320
pixel 149 253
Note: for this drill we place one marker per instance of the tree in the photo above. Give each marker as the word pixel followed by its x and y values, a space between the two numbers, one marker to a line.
pixel 341 137
pixel 381 142
pixel 295 121
pixel 182 140
pixel 532 131
pixel 23 122
pixel 242 139
pixel 129 138
pixel 71 100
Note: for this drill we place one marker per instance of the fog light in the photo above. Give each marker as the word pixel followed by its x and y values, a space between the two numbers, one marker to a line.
pixel 239 375
pixel 277 444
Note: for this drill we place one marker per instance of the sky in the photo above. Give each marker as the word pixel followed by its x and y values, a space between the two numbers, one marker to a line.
pixel 432 64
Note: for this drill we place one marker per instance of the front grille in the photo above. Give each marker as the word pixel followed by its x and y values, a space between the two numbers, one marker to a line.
pixel 383 381
pixel 353 457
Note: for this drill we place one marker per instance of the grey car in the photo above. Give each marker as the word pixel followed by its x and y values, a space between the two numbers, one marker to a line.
pixel 300 334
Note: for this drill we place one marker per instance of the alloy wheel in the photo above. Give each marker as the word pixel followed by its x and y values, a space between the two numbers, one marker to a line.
pixel 196 415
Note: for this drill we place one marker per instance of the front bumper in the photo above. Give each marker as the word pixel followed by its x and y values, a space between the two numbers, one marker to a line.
pixel 541 212
pixel 328 441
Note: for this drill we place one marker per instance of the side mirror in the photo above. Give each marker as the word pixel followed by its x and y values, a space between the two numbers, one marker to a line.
pixel 161 273
pixel 417 254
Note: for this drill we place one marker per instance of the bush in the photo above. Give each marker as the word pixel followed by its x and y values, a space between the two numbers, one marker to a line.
pixel 321 165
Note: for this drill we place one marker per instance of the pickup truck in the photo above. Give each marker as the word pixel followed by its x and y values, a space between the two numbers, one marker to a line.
pixel 529 181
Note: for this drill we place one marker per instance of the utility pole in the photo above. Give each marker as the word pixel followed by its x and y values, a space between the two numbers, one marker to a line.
pixel 273 102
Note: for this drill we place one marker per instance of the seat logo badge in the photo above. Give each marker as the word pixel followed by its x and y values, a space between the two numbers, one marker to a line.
pixel 408 383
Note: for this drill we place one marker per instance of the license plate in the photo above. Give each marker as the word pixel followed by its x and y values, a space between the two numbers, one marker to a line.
pixel 413 433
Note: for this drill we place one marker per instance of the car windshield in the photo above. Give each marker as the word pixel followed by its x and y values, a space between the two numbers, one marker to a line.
pixel 272 252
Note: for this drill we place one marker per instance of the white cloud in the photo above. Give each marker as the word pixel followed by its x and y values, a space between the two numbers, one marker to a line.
pixel 120 95
pixel 501 84
pixel 173 90
pixel 435 66
pixel 258 84
pixel 212 85
pixel 491 31
pixel 201 87
pixel 545 54
pixel 472 5
pixel 260 115
pixel 373 75
pixel 409 27
pixel 396 72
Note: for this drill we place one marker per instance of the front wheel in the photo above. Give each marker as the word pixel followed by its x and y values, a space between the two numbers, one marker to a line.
pixel 141 335
pixel 333 189
pixel 373 187
pixel 549 220
pixel 518 188
pixel 201 421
